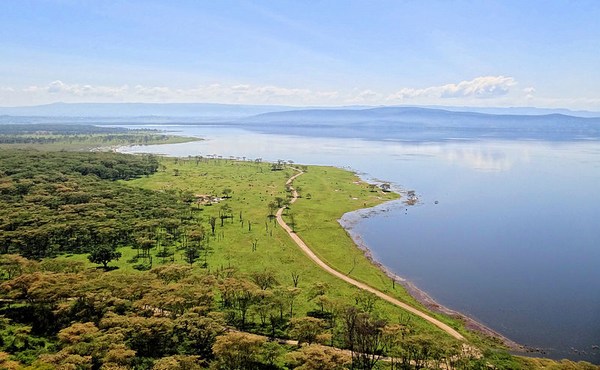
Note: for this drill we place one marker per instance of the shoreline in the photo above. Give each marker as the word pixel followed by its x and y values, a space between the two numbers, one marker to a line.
pixel 350 219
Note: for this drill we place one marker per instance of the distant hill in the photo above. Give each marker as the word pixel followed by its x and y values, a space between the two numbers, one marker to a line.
pixel 528 111
pixel 228 111
pixel 408 123
pixel 378 123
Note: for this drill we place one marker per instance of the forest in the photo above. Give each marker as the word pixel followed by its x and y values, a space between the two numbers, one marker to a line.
pixel 166 306
pixel 60 202
pixel 55 136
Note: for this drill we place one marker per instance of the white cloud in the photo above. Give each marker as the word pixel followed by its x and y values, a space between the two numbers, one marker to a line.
pixel 56 87
pixel 153 91
pixel 480 91
pixel 60 88
pixel 480 87
pixel 529 92
pixel 240 88
pixel 238 93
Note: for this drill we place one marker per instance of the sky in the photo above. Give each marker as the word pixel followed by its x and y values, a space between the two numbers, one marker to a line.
pixel 303 53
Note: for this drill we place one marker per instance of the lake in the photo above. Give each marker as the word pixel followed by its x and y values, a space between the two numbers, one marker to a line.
pixel 506 231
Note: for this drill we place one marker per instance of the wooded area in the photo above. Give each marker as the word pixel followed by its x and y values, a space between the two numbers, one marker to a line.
pixel 78 136
pixel 57 202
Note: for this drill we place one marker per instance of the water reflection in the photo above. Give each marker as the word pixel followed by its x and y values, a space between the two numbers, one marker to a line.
pixel 236 142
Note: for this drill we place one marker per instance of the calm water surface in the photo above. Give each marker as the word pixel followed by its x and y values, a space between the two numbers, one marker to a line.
pixel 513 241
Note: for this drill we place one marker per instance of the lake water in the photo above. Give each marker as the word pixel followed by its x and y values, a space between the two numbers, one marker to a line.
pixel 507 232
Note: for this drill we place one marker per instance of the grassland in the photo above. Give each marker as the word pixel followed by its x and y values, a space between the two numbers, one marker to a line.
pixel 327 193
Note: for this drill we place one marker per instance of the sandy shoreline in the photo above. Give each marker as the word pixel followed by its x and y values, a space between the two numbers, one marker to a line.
pixel 350 219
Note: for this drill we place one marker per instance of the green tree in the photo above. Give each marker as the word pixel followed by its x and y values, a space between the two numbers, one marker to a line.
pixel 364 335
pixel 265 279
pixel 179 362
pixel 213 223
pixel 103 255
pixel 306 329
pixel 237 351
pixel 197 334
pixel 317 357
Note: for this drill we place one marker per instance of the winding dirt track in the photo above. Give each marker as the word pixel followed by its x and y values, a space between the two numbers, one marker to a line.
pixel 348 279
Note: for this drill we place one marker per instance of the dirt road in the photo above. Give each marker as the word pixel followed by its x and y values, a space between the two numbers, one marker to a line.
pixel 350 280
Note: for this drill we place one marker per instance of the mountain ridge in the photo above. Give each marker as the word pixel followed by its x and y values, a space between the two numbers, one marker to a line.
pixel 224 111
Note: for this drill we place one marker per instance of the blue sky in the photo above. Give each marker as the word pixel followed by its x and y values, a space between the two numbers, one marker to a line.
pixel 479 53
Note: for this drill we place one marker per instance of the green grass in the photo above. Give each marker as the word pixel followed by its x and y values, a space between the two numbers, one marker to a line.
pixel 333 193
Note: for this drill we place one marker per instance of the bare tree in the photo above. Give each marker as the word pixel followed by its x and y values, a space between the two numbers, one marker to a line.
pixel 295 278
pixel 213 223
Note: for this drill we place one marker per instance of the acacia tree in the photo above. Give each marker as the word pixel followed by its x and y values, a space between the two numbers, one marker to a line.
pixel 225 212
pixel 103 255
pixel 273 206
pixel 318 357
pixel 145 244
pixel 291 295
pixel 12 265
pixel 199 333
pixel 295 278
pixel 365 337
pixel 180 362
pixel 192 252
pixel 365 301
pixel 306 329
pixel 194 244
pixel 85 346
pixel 292 221
pixel 237 351
pixel 264 306
pixel 265 279
pixel 213 223
pixel 239 295
pixel 318 292
pixel 394 337
pixel 279 201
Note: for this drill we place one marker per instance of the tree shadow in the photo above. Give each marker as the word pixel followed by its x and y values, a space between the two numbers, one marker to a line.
pixel 107 268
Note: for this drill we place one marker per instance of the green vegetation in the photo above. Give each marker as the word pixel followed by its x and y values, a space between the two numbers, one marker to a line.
pixel 205 276
pixel 77 137
pixel 58 202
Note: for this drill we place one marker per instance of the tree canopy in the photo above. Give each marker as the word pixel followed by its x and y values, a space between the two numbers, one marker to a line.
pixel 56 202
